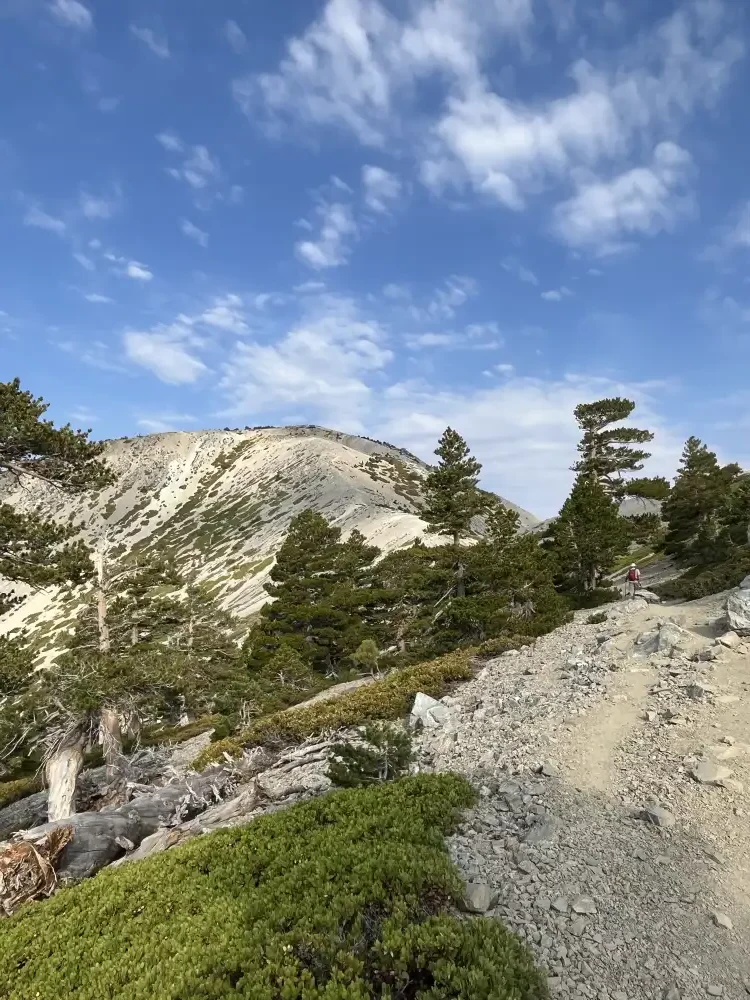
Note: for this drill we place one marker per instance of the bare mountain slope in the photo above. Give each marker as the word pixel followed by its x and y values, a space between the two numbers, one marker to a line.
pixel 223 501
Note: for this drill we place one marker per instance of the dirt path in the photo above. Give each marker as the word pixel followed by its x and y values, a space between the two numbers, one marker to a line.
pixel 616 908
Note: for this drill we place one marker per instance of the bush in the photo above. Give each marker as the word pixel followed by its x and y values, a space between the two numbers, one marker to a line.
pixel 706 580
pixel 347 897
pixel 501 644
pixel 381 753
pixel 594 598
pixel 214 753
pixel 389 698
pixel 14 791
pixel 598 618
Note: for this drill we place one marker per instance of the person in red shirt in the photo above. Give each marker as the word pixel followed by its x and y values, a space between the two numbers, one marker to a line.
pixel 633 580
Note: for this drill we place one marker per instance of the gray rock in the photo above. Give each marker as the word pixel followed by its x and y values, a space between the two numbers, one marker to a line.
pixel 715 991
pixel 729 639
pixel 658 816
pixel 583 904
pixel 708 773
pixel 722 920
pixel 545 832
pixel 548 770
pixel 561 905
pixel 649 596
pixel 428 712
pixel 478 897
pixel 671 993
pixel 738 608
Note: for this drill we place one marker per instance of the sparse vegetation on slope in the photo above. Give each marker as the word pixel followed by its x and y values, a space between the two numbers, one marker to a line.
pixel 345 898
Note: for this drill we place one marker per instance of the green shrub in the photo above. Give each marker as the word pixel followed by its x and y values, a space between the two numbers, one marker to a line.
pixel 214 753
pixel 13 791
pixel 501 644
pixel 382 753
pixel 702 581
pixel 598 618
pixel 389 698
pixel 347 897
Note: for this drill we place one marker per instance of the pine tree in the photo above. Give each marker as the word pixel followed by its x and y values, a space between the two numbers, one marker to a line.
pixel 320 604
pixel 33 549
pixel 588 535
pixel 700 505
pixel 381 753
pixel 452 496
pixel 16 665
pixel 609 453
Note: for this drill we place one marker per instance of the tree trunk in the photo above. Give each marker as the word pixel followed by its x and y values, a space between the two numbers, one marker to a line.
pixel 101 601
pixel 460 582
pixel 109 729
pixel 62 773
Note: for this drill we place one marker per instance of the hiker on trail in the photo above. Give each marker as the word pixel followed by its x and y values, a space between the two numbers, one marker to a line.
pixel 633 580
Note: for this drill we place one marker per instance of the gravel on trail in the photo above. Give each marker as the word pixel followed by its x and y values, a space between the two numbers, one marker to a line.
pixel 611 830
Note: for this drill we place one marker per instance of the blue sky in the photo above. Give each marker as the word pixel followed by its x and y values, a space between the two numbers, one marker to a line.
pixel 383 216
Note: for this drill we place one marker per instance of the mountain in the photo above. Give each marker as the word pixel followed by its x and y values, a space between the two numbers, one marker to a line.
pixel 221 501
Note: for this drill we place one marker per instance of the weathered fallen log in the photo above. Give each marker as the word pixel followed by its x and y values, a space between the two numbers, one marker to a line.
pixel 99 838
pixel 94 787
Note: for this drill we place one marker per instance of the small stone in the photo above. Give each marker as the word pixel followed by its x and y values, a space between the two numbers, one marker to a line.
pixel 578 926
pixel 715 991
pixel 548 770
pixel 561 905
pixel 672 993
pixel 543 903
pixel 729 639
pixel 478 897
pixel 708 773
pixel 527 867
pixel 650 716
pixel 619 995
pixel 658 816
pixel 722 920
pixel 583 904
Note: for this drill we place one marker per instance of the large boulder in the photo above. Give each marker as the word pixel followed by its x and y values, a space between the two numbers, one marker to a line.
pixel 738 608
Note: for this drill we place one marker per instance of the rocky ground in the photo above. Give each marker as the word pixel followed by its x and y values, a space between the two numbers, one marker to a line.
pixel 612 829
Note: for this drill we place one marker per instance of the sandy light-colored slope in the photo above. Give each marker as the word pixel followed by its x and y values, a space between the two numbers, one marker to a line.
pixel 222 501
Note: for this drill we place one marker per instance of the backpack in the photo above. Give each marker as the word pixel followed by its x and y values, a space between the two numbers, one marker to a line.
pixel 633 576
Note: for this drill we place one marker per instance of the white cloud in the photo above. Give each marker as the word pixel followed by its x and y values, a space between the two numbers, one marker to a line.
pixel 199 169
pixel 446 299
pixel 354 61
pixel 527 454
pixel 99 207
pixel 556 294
pixel 73 14
pixel 170 141
pixel 165 355
pixel 108 104
pixel 99 299
pixel 40 219
pixel 138 272
pixel 86 262
pixel 639 202
pixel 473 337
pixel 162 423
pixel 382 189
pixel 337 228
pixel 310 287
pixel 739 234
pixel 320 364
pixel 156 43
pixel 193 232
pixel 514 266
pixel 505 369
pixel 397 292
pixel 235 36
pixel 83 415
pixel 360 68
pixel 226 314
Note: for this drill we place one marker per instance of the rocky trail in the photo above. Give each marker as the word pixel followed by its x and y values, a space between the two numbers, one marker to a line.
pixel 612 827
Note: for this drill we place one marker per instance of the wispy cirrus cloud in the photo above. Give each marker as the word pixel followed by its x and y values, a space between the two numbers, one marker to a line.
pixel 189 229
pixel 157 44
pixel 37 218
pixel 72 14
